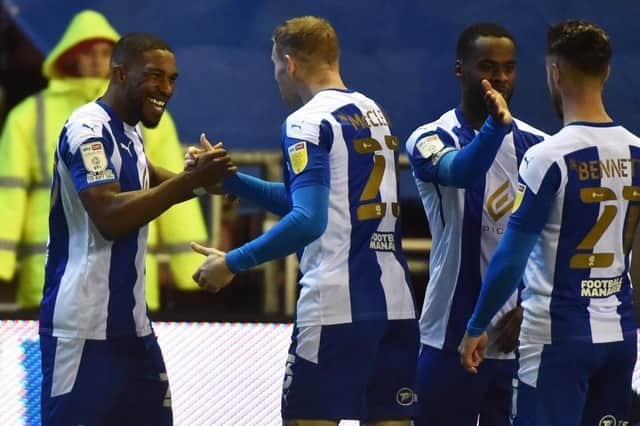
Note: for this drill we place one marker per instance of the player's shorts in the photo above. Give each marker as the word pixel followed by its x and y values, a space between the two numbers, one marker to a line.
pixel 449 395
pixel 575 383
pixel 120 381
pixel 363 370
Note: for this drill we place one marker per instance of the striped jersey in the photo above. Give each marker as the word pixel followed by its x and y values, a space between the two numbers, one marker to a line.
pixel 577 284
pixel 356 270
pixel 466 225
pixel 94 287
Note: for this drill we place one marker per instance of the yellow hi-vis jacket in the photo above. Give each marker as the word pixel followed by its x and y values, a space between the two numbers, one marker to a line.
pixel 27 147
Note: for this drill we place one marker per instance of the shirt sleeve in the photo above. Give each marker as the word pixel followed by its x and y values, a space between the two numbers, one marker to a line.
pixel 89 155
pixel 434 161
pixel 306 153
pixel 424 148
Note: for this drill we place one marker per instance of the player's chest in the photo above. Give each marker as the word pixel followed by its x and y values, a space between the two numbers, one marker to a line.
pixel 134 170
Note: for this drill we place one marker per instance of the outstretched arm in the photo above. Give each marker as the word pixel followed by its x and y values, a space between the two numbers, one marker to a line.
pixel 432 160
pixel 305 223
pixel 117 213
pixel 271 196
pixel 508 263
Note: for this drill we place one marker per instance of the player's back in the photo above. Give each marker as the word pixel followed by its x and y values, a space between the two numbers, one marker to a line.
pixel 94 287
pixel 577 282
pixel 356 270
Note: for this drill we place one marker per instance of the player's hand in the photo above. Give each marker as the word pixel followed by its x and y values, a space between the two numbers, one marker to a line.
pixel 471 351
pixel 496 105
pixel 508 330
pixel 193 156
pixel 213 275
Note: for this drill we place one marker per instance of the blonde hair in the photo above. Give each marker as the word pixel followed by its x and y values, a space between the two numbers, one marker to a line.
pixel 308 38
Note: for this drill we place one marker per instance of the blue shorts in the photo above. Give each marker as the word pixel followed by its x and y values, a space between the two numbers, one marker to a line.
pixel 575 383
pixel 120 381
pixel 449 395
pixel 358 371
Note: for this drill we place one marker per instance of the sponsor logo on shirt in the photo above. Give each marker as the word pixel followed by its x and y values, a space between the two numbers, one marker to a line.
pixel 600 287
pixel 382 241
pixel 298 156
pixel 499 203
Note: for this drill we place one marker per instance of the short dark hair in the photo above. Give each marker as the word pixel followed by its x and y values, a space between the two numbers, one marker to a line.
pixel 132 46
pixel 584 45
pixel 482 29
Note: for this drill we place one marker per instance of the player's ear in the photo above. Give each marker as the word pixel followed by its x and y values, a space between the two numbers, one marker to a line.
pixel 291 65
pixel 555 74
pixel 457 68
pixel 118 73
pixel 607 74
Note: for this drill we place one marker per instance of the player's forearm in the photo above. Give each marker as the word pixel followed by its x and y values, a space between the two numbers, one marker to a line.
pixel 461 168
pixel 269 195
pixel 160 175
pixel 305 223
pixel 502 278
pixel 115 214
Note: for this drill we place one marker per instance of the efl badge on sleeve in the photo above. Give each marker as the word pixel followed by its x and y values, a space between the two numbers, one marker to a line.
pixel 93 157
pixel 298 156
pixel 429 145
pixel 519 195
pixel 95 161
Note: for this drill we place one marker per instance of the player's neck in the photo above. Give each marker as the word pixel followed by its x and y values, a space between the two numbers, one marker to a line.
pixel 585 106
pixel 474 115
pixel 118 106
pixel 319 82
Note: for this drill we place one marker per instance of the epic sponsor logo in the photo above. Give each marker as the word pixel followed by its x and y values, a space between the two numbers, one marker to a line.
pixel 600 287
pixel 500 202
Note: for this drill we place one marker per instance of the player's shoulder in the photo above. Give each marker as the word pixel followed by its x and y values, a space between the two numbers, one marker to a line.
pixel 529 129
pixel 442 125
pixel 305 122
pixel 542 156
pixel 85 123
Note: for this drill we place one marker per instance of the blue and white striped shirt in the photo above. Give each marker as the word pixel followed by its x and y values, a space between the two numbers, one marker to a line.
pixel 356 270
pixel 466 225
pixel 94 287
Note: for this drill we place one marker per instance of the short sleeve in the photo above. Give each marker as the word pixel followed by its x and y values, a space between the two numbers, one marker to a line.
pixel 535 197
pixel 306 152
pixel 425 147
pixel 89 155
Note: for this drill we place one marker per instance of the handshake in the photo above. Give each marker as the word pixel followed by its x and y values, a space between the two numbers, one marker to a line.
pixel 207 166
pixel 213 274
